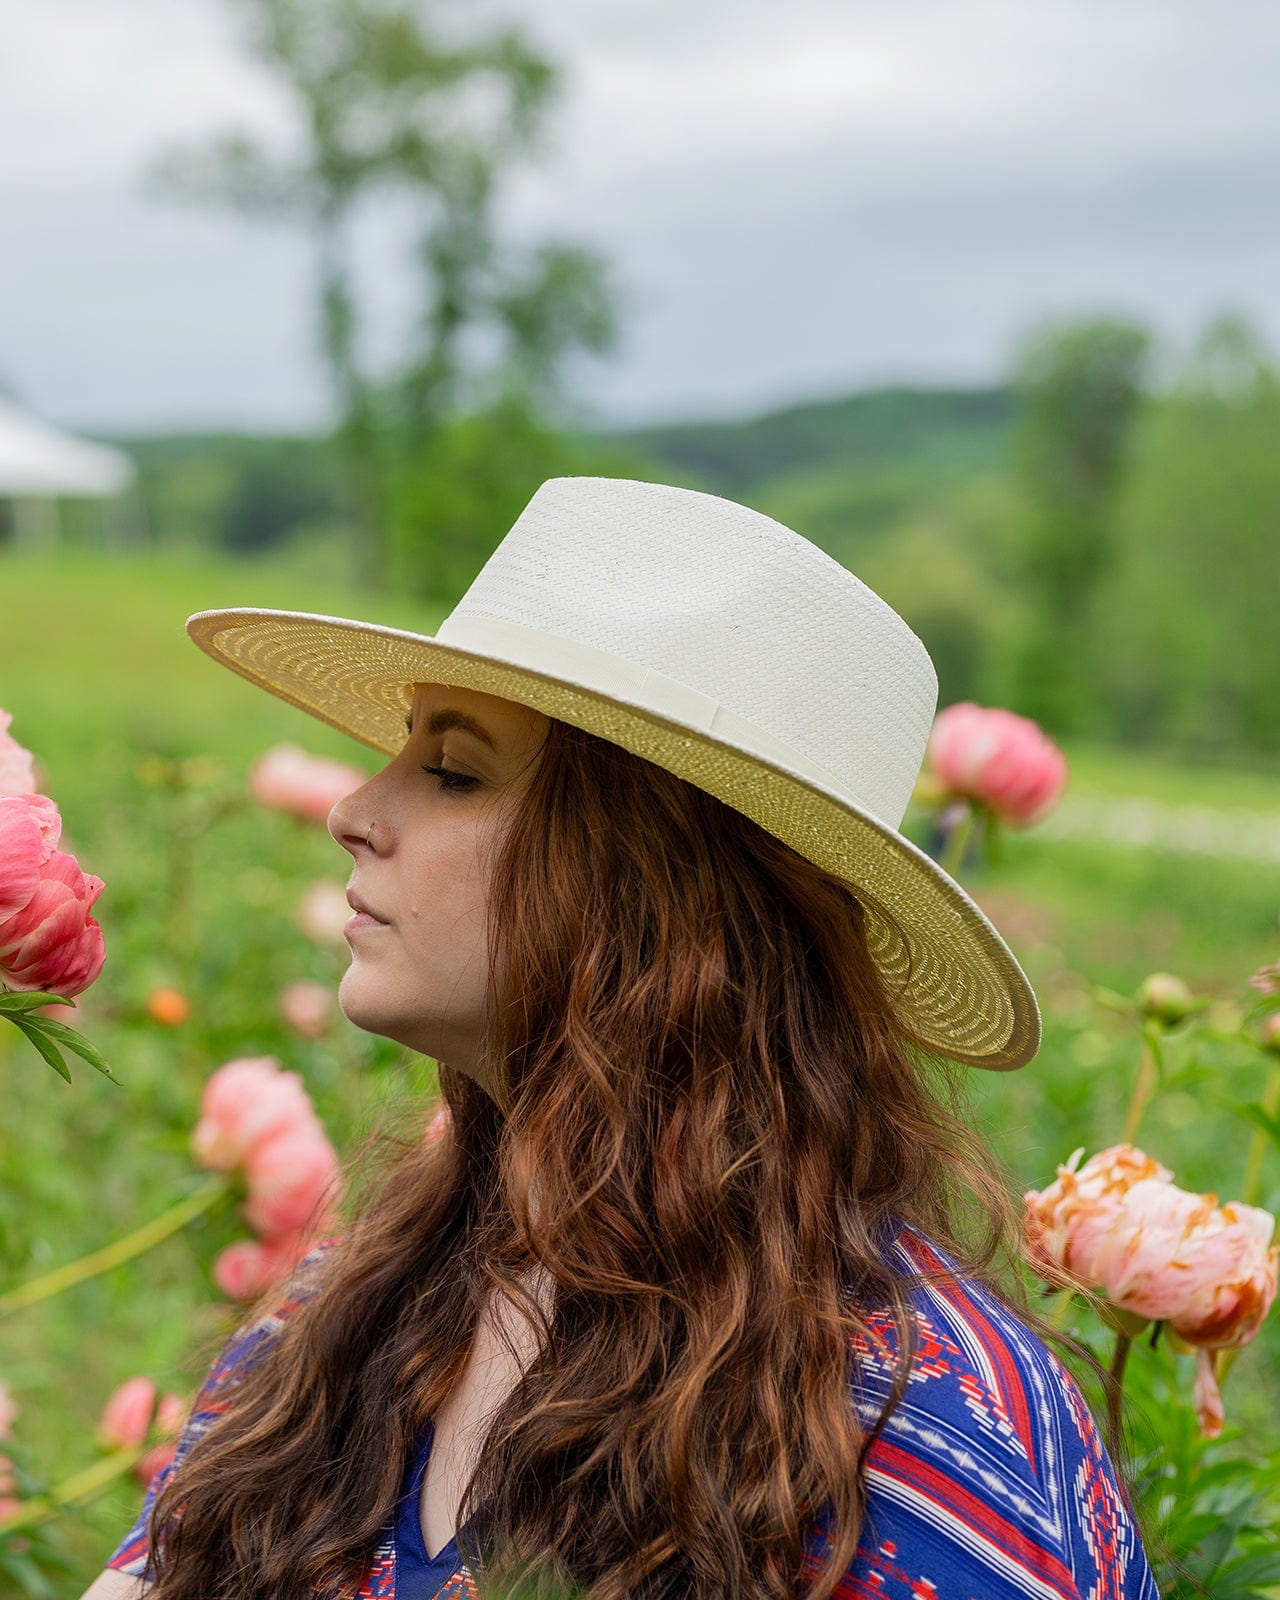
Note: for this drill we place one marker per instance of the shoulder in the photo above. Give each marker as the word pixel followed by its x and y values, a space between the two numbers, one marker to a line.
pixel 265 1322
pixel 241 1350
pixel 989 1476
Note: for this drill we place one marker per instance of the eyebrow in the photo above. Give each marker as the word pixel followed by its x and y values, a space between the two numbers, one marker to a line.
pixel 441 721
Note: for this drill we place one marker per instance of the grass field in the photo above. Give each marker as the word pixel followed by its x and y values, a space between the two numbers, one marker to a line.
pixel 97 670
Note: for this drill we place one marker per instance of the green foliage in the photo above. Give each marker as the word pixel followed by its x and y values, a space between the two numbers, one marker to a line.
pixel 1211 1507
pixel 240 494
pixel 1187 636
pixel 847 437
pixel 1079 388
pixel 455 499
pixel 386 103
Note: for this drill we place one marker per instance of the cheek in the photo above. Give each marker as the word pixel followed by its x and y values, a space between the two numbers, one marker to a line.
pixel 447 886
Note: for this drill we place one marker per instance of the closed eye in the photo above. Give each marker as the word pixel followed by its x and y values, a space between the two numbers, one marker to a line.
pixel 452 780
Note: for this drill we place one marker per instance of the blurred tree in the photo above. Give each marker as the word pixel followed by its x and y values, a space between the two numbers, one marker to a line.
pixel 456 497
pixel 1187 654
pixel 387 104
pixel 1079 386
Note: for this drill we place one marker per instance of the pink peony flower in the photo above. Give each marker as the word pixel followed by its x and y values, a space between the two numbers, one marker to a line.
pixel 1161 1252
pixel 126 1417
pixel 53 942
pixel 306 1006
pixel 244 1102
pixel 1066 1222
pixel 250 1267
pixel 30 828
pixel 17 766
pixel 1267 978
pixel 290 1176
pixel 260 1119
pixel 171 1415
pixel 8 1410
pixel 998 758
pixel 286 778
pixel 153 1461
pixel 323 913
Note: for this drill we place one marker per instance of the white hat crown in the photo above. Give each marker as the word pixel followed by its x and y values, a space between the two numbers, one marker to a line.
pixel 705 637
pixel 717 616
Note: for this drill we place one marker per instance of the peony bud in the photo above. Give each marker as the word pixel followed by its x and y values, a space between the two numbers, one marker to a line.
pixel 287 779
pixel 169 1007
pixel 1003 761
pixel 17 766
pixel 154 1461
pixel 244 1102
pixel 323 913
pixel 306 1006
pixel 250 1267
pixel 53 942
pixel 289 1176
pixel 1165 998
pixel 126 1417
pixel 171 1415
pixel 30 828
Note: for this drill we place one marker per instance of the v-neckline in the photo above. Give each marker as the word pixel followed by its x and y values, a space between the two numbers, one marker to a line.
pixel 411 1529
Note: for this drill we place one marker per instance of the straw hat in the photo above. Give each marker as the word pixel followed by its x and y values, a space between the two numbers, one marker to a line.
pixel 719 644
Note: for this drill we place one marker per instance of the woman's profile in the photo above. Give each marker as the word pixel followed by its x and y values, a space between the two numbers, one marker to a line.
pixel 706 1291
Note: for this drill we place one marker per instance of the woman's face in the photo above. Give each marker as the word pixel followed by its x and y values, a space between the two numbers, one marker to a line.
pixel 419 973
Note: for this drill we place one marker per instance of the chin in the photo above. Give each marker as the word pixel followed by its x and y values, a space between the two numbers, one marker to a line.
pixel 363 1002
pixel 362 1009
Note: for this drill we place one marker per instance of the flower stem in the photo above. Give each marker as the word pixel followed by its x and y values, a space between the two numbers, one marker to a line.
pixel 1144 1086
pixel 1061 1305
pixel 79 1486
pixel 121 1250
pixel 1258 1144
pixel 957 841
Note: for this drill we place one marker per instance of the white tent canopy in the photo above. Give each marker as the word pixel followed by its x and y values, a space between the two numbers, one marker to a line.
pixel 39 461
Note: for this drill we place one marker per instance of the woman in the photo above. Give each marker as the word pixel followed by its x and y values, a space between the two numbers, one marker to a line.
pixel 697 1296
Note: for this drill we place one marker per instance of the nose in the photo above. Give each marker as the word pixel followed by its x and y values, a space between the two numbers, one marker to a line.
pixel 350 820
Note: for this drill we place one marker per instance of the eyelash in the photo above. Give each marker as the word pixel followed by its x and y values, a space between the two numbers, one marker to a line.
pixel 452 780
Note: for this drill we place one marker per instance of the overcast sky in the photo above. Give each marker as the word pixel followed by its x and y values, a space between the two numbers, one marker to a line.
pixel 798 197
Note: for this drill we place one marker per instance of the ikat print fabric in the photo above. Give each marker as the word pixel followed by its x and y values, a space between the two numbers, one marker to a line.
pixel 990 1481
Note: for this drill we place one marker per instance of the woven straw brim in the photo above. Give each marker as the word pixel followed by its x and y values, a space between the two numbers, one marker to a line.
pixel 957 989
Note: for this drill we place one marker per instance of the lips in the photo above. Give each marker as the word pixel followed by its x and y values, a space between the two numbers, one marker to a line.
pixel 357 904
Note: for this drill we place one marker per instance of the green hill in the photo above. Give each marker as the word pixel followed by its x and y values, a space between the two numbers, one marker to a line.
pixel 931 430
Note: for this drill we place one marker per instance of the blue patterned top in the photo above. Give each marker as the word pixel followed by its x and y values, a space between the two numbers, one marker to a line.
pixel 989 1482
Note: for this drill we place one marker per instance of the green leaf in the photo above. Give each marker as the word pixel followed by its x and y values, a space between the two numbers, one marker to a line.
pixel 1103 996
pixel 1254 1570
pixel 1217 1547
pixel 69 1039
pixel 1261 1118
pixel 29 1000
pixel 45 1046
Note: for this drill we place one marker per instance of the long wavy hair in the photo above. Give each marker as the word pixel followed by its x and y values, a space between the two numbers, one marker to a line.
pixel 725 1124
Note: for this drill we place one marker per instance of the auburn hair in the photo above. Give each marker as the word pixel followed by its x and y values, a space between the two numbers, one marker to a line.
pixel 726 1124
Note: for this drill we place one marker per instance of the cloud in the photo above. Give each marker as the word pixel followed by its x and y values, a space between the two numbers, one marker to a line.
pixel 795 200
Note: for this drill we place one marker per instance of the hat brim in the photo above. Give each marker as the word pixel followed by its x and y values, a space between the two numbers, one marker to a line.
pixel 958 990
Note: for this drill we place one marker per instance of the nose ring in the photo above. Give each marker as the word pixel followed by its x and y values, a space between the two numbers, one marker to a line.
pixel 368 838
